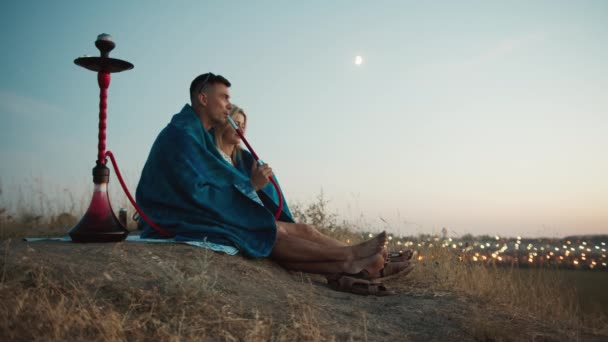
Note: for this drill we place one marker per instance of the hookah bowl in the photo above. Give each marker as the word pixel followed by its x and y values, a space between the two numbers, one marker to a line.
pixel 99 224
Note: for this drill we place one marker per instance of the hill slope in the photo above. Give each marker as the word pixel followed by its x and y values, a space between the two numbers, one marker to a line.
pixel 58 291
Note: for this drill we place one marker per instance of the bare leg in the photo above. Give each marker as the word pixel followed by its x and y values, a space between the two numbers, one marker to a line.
pixel 291 248
pixel 309 232
pixel 372 264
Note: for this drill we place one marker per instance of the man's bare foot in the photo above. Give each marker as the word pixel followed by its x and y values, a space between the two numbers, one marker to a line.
pixel 370 247
pixel 372 264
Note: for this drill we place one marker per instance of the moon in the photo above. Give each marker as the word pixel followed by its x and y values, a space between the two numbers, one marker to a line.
pixel 358 60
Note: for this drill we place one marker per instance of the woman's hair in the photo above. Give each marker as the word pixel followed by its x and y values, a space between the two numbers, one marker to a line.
pixel 219 132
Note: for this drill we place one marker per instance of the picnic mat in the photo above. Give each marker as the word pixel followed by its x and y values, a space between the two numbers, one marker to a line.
pixel 230 250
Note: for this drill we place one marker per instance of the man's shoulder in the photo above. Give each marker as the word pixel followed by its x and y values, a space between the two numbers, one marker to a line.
pixel 186 118
pixel 177 135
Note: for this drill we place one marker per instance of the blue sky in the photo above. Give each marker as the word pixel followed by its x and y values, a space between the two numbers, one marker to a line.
pixel 479 116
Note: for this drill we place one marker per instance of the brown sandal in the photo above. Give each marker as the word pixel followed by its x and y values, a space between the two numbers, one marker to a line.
pixel 357 286
pixel 394 269
pixel 390 270
pixel 401 256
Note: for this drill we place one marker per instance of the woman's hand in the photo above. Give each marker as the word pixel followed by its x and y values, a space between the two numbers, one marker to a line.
pixel 260 175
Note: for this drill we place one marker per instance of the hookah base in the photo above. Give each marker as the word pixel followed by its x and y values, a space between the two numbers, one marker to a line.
pixel 84 236
pixel 99 225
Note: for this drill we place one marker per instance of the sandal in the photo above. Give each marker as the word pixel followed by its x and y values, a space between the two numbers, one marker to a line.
pixel 390 270
pixel 401 256
pixel 357 286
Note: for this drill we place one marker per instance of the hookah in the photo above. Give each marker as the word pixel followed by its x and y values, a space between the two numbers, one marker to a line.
pixel 99 224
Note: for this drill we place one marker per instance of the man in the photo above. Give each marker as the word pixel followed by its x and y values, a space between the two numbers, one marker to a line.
pixel 187 188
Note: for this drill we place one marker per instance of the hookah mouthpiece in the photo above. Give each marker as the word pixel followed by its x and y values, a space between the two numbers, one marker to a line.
pixel 235 109
pixel 232 123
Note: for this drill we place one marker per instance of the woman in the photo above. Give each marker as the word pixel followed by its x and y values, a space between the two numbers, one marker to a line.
pixel 228 143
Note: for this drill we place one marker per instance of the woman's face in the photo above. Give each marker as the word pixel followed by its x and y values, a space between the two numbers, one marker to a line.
pixel 230 136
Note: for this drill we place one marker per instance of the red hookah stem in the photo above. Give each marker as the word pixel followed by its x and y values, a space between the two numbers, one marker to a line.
pixel 137 208
pixel 276 186
pixel 103 78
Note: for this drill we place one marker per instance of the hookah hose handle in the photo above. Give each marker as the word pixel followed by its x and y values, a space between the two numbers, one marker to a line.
pixel 257 159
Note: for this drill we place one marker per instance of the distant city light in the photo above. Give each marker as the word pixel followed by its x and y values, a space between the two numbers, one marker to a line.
pixel 542 252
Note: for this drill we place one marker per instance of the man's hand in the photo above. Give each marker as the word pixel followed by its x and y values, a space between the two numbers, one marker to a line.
pixel 260 175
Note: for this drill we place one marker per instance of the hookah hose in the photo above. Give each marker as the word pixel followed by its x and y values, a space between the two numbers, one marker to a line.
pixel 257 159
pixel 139 211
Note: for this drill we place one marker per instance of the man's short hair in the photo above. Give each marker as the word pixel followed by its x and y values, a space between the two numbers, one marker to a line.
pixel 201 82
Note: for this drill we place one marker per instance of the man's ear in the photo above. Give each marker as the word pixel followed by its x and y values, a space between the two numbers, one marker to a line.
pixel 202 98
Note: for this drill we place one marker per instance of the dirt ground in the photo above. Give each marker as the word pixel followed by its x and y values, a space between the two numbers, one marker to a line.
pixel 261 288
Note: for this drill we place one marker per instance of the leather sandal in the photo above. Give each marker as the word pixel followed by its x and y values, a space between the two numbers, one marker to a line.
pixel 358 286
pixel 390 270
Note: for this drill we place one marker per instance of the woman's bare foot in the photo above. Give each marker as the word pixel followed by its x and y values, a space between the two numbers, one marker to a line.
pixel 369 247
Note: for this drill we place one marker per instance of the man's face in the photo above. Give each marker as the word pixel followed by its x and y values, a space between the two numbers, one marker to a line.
pixel 217 100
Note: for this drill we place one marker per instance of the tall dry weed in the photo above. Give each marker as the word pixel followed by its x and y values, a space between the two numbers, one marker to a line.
pixel 39 208
pixel 525 294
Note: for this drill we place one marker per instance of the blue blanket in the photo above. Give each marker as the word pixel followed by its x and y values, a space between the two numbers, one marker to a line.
pixel 187 188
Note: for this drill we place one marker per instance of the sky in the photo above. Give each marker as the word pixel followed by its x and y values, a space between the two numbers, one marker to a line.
pixel 483 117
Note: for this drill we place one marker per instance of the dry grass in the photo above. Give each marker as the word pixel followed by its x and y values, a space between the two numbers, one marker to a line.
pixel 538 297
pixel 541 291
pixel 541 297
pixel 35 213
pixel 37 304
